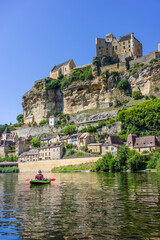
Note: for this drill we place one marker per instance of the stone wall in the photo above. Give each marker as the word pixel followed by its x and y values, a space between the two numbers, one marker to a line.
pixel 145 59
pixel 121 67
pixel 49 164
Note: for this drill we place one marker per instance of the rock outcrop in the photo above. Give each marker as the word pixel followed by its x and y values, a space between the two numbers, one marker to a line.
pixel 99 93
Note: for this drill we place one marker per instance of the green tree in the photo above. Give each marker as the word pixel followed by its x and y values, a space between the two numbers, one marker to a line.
pixel 20 118
pixel 137 95
pixel 69 129
pixel 122 156
pixel 35 143
pixel 123 84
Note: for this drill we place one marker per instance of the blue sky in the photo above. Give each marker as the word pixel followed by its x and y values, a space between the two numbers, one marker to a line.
pixel 37 34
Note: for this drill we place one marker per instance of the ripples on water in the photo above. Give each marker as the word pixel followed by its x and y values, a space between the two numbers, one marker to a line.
pixel 81 206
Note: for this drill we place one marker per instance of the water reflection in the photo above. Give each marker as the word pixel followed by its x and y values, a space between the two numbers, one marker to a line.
pixel 81 206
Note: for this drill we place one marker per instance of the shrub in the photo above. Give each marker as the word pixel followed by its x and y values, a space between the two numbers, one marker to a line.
pixel 153 60
pixel 69 145
pixel 70 152
pixel 123 84
pixel 35 143
pixel 43 122
pixel 52 83
pixel 146 97
pixel 152 96
pixel 137 95
pixel 79 154
pixel 135 161
pixel 69 129
pixel 20 118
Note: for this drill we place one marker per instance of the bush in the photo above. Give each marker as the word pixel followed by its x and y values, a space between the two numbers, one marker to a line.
pixel 79 154
pixel 123 84
pixel 52 83
pixel 152 96
pixel 69 129
pixel 135 161
pixel 35 143
pixel 43 122
pixel 69 145
pixel 70 152
pixel 137 95
pixel 90 129
pixel 153 60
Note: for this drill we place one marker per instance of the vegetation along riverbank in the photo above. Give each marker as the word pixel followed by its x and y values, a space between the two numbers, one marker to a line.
pixel 124 160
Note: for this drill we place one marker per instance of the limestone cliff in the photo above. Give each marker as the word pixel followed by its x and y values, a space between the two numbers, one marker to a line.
pixel 101 92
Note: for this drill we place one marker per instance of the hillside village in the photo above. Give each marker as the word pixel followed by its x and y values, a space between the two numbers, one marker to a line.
pixel 115 59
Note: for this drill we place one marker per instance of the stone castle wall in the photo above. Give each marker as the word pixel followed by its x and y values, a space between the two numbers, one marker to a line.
pixel 145 59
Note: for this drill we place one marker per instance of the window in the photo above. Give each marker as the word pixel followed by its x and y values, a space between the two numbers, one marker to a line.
pixel 123 47
pixel 123 43
pixel 115 47
pixel 112 148
pixel 129 46
pixel 112 153
pixel 106 147
pixel 106 153
pixel 128 41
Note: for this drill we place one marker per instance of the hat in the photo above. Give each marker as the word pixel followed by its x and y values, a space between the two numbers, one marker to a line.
pixel 39 172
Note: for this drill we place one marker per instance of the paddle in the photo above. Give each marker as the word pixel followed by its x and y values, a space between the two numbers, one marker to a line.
pixel 53 179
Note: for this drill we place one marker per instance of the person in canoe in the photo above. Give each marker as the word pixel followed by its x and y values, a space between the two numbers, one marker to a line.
pixel 39 176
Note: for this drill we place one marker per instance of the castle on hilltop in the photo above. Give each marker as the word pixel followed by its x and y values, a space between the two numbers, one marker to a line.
pixel 118 50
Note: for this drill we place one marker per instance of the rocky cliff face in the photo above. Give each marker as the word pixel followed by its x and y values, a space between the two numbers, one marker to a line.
pixel 101 92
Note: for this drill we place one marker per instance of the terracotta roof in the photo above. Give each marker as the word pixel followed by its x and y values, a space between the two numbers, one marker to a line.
pixel 51 146
pixel 113 140
pixel 148 141
pixel 125 37
pixel 56 67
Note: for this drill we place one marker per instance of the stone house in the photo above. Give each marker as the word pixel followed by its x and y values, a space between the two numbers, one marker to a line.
pixel 5 146
pixel 52 120
pixel 30 156
pixel 84 139
pixel 63 68
pixel 51 152
pixel 95 147
pixel 8 136
pixel 111 145
pixel 21 146
pixel 45 140
pixel 73 139
pixel 56 138
pixel 126 47
pixel 141 144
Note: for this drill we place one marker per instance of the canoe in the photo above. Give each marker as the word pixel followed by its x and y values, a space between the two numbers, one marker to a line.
pixel 39 182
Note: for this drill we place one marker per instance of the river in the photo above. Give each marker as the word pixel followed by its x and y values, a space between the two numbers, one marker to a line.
pixel 81 206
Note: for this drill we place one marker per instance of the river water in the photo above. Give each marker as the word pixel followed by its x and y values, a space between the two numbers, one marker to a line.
pixel 81 206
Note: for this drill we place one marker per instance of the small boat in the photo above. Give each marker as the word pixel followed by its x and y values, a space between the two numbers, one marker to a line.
pixel 39 182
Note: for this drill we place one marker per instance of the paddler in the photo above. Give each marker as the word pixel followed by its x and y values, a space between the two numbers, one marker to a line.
pixel 39 176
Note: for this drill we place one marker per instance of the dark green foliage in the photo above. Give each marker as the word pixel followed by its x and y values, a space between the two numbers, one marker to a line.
pixel 134 68
pixel 60 76
pixel 142 118
pixel 137 95
pixel 43 122
pixel 69 145
pixel 20 118
pixel 9 159
pixel 69 129
pixel 70 152
pixel 35 143
pixel 124 159
pixel 13 169
pixel 152 96
pixel 153 60
pixel 52 83
pixel 154 159
pixel 3 127
pixel 123 84
pixel 90 129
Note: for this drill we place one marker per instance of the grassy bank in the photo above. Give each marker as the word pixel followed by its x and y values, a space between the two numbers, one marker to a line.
pixel 13 169
pixel 82 166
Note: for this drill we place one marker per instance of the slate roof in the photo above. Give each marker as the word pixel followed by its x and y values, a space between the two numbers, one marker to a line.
pixel 56 67
pixel 149 141
pixel 113 140
pixel 125 37
pixel 7 130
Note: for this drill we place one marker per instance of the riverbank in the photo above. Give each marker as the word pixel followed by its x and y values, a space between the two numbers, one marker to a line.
pixel 47 165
